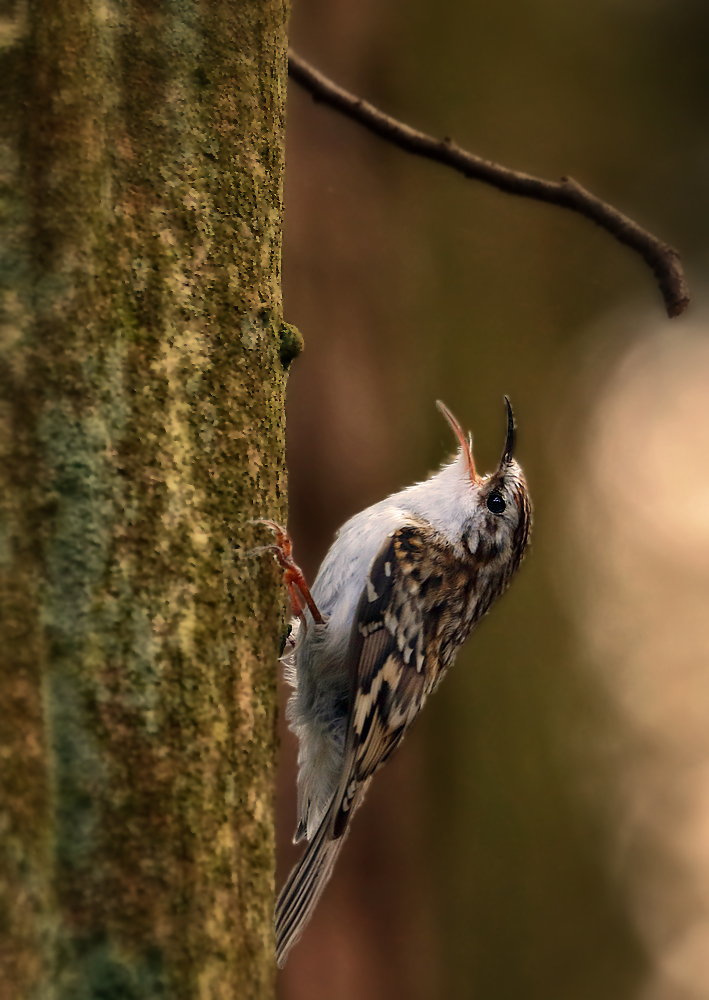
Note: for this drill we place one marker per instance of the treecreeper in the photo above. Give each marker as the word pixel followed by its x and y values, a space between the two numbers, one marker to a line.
pixel 402 587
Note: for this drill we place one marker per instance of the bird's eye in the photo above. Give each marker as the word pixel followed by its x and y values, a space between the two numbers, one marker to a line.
pixel 496 502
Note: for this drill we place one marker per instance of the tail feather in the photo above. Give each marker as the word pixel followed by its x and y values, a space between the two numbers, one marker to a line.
pixel 304 887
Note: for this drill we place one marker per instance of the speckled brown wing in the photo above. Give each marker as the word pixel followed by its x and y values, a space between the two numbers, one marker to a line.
pixel 418 605
pixel 411 617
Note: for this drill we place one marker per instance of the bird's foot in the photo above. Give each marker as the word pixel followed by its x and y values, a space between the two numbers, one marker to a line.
pixel 298 590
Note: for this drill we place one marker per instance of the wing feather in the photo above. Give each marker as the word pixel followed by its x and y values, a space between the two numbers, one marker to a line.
pixel 397 651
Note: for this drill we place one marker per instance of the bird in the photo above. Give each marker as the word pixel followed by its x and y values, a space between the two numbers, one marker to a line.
pixel 401 588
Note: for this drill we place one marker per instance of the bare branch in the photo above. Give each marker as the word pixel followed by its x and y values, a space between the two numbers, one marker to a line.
pixel 568 193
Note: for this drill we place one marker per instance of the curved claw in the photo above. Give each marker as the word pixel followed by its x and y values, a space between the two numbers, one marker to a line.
pixel 292 573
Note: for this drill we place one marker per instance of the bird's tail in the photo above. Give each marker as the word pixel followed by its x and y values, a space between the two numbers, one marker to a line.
pixel 305 885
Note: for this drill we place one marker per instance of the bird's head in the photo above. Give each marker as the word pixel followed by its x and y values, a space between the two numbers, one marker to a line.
pixel 496 511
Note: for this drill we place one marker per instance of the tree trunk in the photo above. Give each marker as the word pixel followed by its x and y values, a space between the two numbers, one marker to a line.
pixel 143 374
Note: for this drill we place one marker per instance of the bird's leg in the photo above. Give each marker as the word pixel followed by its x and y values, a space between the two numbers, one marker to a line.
pixel 298 590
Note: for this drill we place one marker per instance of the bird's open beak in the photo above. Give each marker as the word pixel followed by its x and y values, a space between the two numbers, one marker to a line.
pixel 510 442
pixel 466 443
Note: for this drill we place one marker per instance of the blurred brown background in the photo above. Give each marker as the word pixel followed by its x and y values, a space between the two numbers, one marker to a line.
pixel 544 831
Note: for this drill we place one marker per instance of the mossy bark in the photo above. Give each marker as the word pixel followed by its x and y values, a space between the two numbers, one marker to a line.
pixel 143 375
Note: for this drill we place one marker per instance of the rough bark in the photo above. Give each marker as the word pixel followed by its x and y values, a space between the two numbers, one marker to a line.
pixel 143 371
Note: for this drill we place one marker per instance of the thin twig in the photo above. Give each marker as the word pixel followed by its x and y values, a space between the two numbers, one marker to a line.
pixel 662 258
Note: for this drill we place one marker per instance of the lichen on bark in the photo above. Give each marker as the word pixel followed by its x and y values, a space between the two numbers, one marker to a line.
pixel 143 382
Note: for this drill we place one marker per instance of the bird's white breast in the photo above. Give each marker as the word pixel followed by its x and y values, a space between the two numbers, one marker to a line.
pixel 343 573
